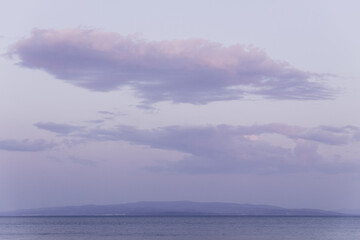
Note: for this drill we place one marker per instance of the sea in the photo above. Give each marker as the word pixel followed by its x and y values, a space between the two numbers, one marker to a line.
pixel 179 228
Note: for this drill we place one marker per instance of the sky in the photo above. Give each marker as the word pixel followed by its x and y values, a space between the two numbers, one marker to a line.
pixel 106 102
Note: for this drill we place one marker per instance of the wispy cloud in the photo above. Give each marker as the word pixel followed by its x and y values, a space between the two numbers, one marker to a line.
pixel 182 71
pixel 58 128
pixel 96 121
pixel 26 145
pixel 107 113
pixel 82 161
pixel 240 149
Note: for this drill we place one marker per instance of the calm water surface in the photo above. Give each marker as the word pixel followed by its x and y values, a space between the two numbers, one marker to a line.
pixel 180 228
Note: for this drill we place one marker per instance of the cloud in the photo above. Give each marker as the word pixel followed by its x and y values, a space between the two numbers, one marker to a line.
pixel 332 135
pixel 181 71
pixel 95 121
pixel 26 145
pixel 238 149
pixel 58 128
pixel 107 113
pixel 82 161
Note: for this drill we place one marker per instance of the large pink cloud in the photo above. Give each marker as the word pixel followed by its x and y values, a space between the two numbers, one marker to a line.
pixel 193 71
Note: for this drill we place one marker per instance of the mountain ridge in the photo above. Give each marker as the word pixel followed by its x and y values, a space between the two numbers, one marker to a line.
pixel 172 208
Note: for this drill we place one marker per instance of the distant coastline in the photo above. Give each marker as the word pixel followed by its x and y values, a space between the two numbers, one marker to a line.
pixel 175 208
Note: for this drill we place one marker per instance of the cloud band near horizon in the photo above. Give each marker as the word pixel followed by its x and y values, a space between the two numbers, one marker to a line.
pixel 180 71
pixel 237 149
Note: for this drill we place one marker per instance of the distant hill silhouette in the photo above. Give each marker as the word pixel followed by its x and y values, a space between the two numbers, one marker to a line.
pixel 176 208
